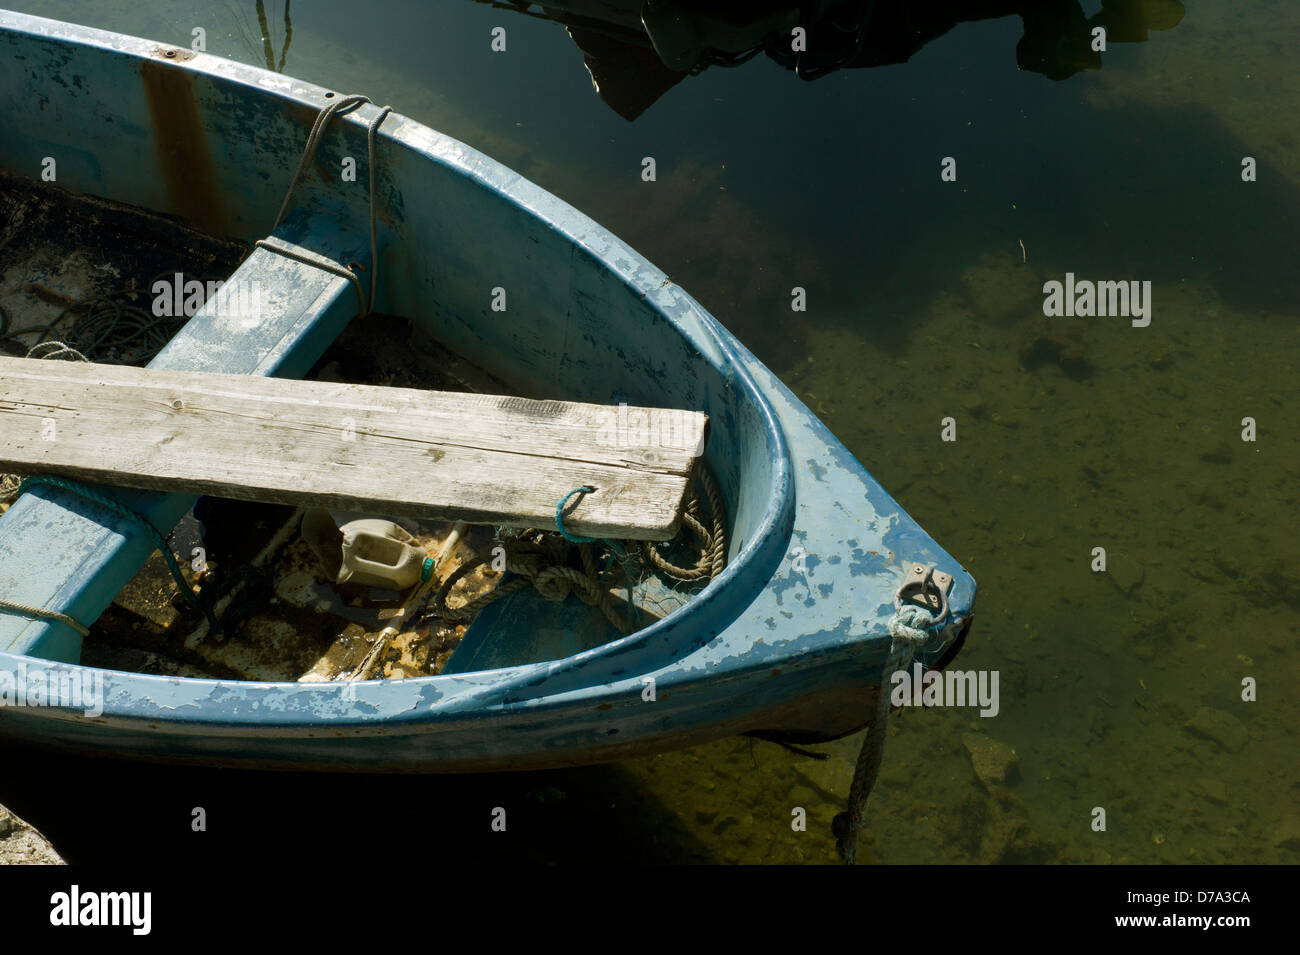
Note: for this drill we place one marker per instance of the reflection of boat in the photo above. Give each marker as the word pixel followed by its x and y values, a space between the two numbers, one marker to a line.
pixel 636 50
pixel 788 641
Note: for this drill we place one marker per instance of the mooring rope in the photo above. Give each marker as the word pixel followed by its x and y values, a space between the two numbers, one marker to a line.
pixel 307 256
pixel 338 107
pixel 374 230
pixel 909 629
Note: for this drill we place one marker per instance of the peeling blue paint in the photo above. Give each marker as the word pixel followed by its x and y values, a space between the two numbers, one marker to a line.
pixel 868 563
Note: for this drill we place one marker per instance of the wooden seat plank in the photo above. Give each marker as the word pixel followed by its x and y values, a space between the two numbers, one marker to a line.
pixel 478 458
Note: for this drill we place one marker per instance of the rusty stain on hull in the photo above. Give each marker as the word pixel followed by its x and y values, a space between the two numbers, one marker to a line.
pixel 182 146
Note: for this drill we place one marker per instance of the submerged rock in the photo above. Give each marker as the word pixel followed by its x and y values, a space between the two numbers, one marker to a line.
pixel 1224 728
pixel 991 759
pixel 1126 572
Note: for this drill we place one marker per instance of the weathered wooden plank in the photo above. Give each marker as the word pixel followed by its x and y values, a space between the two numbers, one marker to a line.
pixel 478 458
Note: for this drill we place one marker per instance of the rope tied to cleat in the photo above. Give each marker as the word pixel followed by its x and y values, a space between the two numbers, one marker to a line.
pixel 910 628
pixel 307 256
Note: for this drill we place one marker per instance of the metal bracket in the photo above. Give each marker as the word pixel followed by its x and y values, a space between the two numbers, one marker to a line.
pixel 926 587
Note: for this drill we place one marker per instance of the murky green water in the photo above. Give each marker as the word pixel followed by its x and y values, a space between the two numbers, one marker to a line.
pixel 1118 690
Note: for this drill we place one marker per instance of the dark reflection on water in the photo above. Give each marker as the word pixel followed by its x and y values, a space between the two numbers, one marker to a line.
pixel 636 51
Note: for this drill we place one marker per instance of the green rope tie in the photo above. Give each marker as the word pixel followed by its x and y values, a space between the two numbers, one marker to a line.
pixel 120 509
pixel 559 517
pixel 615 547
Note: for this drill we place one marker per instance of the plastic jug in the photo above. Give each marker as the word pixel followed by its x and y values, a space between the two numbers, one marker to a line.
pixel 369 552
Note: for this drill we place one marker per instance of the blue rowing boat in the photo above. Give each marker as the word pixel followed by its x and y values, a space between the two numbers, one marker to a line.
pixel 788 642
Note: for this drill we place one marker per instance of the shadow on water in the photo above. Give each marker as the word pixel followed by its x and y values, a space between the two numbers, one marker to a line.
pixel 1171 206
pixel 100 811
pixel 1139 194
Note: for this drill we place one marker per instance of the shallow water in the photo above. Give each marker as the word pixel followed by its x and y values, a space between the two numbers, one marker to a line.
pixel 925 300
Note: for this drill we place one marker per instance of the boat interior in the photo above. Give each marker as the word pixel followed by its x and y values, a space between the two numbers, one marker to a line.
pixel 79 278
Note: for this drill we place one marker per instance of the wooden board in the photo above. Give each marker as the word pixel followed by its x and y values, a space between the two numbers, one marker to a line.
pixel 478 458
